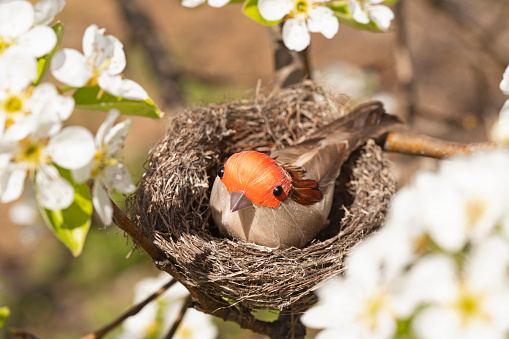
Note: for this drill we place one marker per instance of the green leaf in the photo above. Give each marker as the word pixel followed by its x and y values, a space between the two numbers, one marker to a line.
pixel 250 8
pixel 44 62
pixel 92 98
pixel 71 225
pixel 4 313
pixel 340 9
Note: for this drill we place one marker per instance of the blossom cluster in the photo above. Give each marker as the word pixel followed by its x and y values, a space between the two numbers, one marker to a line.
pixel 438 269
pixel 316 16
pixel 440 266
pixel 156 318
pixel 34 143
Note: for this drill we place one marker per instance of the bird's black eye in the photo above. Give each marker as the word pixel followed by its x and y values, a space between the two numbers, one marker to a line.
pixel 220 172
pixel 278 190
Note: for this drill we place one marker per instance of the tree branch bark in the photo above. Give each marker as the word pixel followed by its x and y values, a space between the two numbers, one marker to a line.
pixel 431 147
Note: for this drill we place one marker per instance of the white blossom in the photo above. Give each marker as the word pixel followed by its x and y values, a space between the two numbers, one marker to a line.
pixel 22 26
pixel 105 167
pixel 302 17
pixel 362 304
pixel 155 319
pixel 500 131
pixel 36 156
pixel 101 63
pixel 364 11
pixel 212 3
pixel 21 104
pixel 474 304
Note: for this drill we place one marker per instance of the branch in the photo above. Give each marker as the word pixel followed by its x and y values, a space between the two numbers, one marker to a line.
pixel 144 33
pixel 290 67
pixel 130 312
pixel 179 318
pixel 431 147
pixel 403 58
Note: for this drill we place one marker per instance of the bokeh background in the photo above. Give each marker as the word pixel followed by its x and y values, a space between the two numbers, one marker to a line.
pixel 458 50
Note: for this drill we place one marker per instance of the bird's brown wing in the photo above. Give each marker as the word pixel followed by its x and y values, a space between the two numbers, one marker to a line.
pixel 322 154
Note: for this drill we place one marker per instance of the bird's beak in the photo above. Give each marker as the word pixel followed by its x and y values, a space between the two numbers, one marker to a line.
pixel 238 201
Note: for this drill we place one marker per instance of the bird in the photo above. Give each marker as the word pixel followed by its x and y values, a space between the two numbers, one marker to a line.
pixel 283 199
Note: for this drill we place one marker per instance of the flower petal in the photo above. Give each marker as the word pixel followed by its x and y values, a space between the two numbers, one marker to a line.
pixel 500 131
pixel 105 52
pixel 81 175
pixel 118 176
pixel 72 148
pixel 71 67
pixel 357 12
pixel 102 204
pixel 17 70
pixel 53 191
pixel 12 182
pixel 124 88
pixel 16 18
pixel 46 97
pixel 115 138
pixel 504 84
pixel 45 10
pixel 192 3
pixel 295 34
pixel 218 3
pixel 381 16
pixel 274 9
pixel 105 127
pixel 38 41
pixel 322 20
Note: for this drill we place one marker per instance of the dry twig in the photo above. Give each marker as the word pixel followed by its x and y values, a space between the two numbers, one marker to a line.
pixel 129 313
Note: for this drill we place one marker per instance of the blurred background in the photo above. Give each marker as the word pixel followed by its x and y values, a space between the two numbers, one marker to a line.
pixel 458 50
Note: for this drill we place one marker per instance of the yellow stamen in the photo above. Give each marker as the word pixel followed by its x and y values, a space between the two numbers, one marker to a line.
pixel 475 208
pixel 101 162
pixel 5 43
pixel 469 305
pixel 32 153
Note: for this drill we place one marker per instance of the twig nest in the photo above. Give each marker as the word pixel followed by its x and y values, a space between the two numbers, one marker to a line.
pixel 173 196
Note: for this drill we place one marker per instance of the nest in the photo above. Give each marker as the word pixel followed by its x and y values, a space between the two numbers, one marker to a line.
pixel 172 200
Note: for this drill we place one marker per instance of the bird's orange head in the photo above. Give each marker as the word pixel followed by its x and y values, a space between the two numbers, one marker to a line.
pixel 257 176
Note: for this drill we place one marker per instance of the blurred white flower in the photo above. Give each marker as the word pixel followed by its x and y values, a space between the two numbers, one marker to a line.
pixel 504 84
pixel 364 11
pixel 500 131
pixel 302 17
pixel 463 202
pixel 362 304
pixel 22 27
pixel 25 213
pixel 212 3
pixel 101 64
pixel 474 304
pixel 37 154
pixel 155 319
pixel 105 167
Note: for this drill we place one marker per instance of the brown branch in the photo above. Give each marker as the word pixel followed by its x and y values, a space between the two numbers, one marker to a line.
pixel 431 147
pixel 145 34
pixel 403 58
pixel 130 312
pixel 290 67
pixel 179 318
